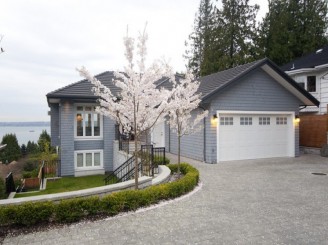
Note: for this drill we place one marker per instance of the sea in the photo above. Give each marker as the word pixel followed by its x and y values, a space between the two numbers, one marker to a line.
pixel 25 131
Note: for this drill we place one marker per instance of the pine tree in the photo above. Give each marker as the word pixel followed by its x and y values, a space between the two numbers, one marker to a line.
pixel 12 150
pixel 236 30
pixel 293 28
pixel 201 40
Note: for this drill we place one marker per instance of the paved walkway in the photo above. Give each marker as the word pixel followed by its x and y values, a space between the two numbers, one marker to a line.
pixel 272 201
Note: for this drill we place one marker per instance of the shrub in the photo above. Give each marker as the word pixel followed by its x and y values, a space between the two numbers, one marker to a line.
pixel 26 214
pixel 72 210
pixel 30 174
pixel 159 160
pixel 30 165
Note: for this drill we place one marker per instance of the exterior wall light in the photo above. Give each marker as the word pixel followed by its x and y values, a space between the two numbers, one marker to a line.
pixel 297 119
pixel 214 120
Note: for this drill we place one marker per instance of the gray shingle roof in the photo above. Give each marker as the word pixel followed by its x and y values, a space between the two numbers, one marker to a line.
pixel 316 58
pixel 82 89
pixel 209 85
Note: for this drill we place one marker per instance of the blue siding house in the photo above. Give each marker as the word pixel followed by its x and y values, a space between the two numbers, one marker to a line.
pixel 253 112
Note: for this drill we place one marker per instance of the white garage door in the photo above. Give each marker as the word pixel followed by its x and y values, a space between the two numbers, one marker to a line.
pixel 252 136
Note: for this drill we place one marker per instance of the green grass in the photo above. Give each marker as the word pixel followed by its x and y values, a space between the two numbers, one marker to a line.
pixel 68 184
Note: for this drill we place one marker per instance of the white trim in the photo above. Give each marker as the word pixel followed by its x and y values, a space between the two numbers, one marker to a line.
pixel 291 136
pixel 287 85
pixel 101 167
pixel 77 138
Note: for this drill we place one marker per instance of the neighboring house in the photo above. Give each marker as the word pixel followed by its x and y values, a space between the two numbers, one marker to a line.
pixel 252 111
pixel 311 73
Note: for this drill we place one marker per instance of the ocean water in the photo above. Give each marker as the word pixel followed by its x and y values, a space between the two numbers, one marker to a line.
pixel 24 133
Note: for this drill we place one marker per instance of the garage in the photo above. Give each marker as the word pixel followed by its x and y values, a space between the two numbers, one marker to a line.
pixel 253 135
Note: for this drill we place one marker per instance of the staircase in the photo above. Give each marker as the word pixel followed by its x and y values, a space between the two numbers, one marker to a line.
pixel 146 165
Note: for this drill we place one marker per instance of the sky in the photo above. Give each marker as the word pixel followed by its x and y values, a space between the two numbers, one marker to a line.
pixel 45 41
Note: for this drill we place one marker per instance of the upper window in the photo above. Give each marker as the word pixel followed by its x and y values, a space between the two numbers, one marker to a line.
pixel 226 120
pixel 281 120
pixel 311 84
pixel 264 121
pixel 88 122
pixel 246 121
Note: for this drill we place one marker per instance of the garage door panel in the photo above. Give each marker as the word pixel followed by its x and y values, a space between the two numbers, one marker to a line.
pixel 258 139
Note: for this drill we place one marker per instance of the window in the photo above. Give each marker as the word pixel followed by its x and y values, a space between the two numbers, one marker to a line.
pixel 226 120
pixel 311 83
pixel 87 122
pixel 246 120
pixel 281 120
pixel 264 121
pixel 88 159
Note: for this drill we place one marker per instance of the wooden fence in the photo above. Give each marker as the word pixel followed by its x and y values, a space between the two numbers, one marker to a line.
pixel 313 130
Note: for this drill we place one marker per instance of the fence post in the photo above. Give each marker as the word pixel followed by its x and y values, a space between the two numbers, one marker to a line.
pixel 10 184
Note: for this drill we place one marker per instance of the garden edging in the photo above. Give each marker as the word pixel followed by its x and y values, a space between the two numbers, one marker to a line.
pixel 144 181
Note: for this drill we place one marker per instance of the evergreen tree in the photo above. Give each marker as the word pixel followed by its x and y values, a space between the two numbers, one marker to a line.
pixel 236 30
pixel 293 28
pixel 23 149
pixel 12 150
pixel 32 147
pixel 222 38
pixel 44 141
pixel 201 40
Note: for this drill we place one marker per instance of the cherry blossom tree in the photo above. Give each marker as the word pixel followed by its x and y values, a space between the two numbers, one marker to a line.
pixel 139 104
pixel 183 116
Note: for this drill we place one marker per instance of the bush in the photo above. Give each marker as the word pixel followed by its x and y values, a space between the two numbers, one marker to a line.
pixel 30 165
pixel 158 160
pixel 31 174
pixel 72 210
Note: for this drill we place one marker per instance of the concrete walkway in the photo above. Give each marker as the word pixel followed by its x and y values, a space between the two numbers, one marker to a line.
pixel 271 201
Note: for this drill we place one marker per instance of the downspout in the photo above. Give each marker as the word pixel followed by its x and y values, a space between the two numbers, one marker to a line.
pixel 204 142
pixel 169 137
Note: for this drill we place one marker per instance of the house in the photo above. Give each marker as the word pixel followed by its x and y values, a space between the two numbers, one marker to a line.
pixel 311 73
pixel 252 112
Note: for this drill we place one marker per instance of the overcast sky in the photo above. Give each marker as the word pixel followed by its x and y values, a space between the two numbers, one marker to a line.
pixel 44 41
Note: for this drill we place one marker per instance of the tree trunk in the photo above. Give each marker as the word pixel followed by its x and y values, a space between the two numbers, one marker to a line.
pixel 136 137
pixel 179 139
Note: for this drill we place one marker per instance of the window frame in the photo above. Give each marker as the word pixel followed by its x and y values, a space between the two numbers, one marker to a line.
pixel 308 80
pixel 226 121
pixel 246 121
pixel 281 120
pixel 83 112
pixel 85 152
pixel 264 121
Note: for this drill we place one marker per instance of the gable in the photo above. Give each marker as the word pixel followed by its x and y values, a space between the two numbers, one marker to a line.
pixel 257 91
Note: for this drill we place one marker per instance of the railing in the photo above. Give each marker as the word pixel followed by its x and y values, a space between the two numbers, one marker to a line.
pixel 10 184
pixel 124 172
pixel 149 158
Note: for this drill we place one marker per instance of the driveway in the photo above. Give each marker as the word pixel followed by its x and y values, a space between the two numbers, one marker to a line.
pixel 271 201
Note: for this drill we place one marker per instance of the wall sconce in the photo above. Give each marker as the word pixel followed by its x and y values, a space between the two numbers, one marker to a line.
pixel 297 118
pixel 214 119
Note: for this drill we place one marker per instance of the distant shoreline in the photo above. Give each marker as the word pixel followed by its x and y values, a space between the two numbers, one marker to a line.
pixel 24 124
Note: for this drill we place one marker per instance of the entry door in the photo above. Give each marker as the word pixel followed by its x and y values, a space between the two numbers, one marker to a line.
pixel 158 135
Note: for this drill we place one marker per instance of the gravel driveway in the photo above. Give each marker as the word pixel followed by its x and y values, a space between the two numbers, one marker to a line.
pixel 271 201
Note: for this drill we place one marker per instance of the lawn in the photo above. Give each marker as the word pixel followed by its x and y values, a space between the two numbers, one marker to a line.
pixel 67 184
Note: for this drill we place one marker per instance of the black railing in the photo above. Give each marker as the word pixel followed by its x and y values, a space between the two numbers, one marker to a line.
pixel 124 172
pixel 10 184
pixel 149 158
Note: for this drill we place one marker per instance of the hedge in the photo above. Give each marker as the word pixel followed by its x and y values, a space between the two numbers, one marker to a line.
pixel 72 210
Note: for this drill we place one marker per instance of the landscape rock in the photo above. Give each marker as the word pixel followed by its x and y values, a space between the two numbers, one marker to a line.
pixel 324 150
